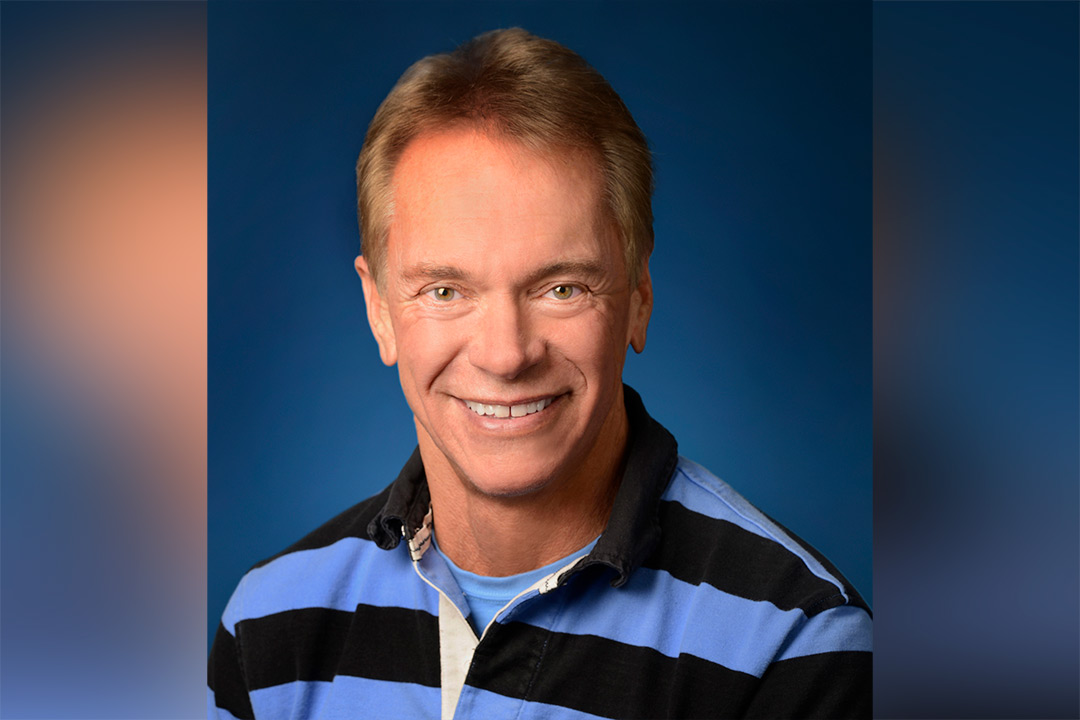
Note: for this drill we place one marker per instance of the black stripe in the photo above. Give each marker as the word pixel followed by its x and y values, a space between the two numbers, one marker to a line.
pixel 225 677
pixel 849 589
pixel 351 523
pixel 696 548
pixel 605 677
pixel 380 643
pixel 395 644
pixel 829 685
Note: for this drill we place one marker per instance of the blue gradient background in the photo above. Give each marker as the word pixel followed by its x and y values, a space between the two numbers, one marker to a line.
pixel 759 347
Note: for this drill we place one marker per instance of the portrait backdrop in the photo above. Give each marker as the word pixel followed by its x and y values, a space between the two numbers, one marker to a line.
pixel 759 349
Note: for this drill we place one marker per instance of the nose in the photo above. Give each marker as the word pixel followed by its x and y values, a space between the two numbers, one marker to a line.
pixel 505 344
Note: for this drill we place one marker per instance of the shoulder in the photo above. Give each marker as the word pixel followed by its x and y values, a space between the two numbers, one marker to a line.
pixel 326 569
pixel 712 534
pixel 352 523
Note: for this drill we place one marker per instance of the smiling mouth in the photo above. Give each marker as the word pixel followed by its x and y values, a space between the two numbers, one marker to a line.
pixel 507 411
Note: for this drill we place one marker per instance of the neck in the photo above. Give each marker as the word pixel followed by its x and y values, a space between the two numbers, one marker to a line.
pixel 500 536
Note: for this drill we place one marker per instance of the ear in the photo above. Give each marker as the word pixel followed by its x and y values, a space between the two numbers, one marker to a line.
pixel 378 314
pixel 641 301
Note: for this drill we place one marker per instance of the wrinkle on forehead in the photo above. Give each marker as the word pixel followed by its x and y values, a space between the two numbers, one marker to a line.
pixel 564 163
pixel 481 189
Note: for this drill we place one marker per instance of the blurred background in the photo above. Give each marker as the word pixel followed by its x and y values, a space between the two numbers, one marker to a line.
pixel 104 360
pixel 976 334
pixel 763 118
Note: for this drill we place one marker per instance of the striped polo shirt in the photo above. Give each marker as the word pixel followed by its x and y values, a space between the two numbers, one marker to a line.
pixel 691 604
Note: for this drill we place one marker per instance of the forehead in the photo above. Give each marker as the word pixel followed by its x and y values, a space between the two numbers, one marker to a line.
pixel 464 194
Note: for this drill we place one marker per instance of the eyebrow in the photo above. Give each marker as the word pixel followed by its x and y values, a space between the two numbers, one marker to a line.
pixel 586 269
pixel 427 271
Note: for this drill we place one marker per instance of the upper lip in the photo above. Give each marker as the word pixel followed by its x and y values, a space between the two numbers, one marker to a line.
pixel 526 401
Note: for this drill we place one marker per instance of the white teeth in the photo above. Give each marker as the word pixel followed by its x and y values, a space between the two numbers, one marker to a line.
pixel 503 411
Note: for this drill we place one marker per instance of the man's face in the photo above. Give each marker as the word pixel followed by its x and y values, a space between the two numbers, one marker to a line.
pixel 506 304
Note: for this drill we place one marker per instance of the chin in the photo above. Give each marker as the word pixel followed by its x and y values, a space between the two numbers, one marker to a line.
pixel 508 483
pixel 507 492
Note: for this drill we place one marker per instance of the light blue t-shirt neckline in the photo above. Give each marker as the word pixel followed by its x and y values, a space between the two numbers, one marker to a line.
pixel 488 595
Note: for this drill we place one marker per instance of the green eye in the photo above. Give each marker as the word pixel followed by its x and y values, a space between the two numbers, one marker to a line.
pixel 563 292
pixel 443 293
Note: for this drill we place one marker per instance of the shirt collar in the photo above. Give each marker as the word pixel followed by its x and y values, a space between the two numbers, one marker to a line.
pixel 632 530
pixel 406 505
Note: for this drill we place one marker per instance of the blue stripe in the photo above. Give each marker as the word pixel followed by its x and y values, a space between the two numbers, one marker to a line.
pixel 695 488
pixel 476 703
pixel 338 577
pixel 842 628
pixel 347 698
pixel 708 495
pixel 292 700
pixel 213 712
pixel 656 610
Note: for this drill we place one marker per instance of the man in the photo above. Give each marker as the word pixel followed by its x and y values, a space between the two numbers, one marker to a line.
pixel 545 553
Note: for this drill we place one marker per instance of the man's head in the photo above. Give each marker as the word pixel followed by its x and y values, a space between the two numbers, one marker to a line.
pixel 504 294
pixel 513 85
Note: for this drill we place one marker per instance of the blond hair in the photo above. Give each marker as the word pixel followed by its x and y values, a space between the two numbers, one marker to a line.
pixel 514 85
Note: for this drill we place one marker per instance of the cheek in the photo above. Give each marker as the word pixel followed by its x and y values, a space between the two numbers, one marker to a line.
pixel 425 348
pixel 595 345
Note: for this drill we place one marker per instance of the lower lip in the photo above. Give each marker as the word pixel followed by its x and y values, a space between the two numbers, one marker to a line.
pixel 511 424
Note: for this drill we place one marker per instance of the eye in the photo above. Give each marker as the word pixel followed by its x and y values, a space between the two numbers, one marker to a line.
pixel 564 292
pixel 443 294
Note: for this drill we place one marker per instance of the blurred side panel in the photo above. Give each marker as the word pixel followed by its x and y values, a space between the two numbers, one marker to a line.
pixel 104 360
pixel 976 335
